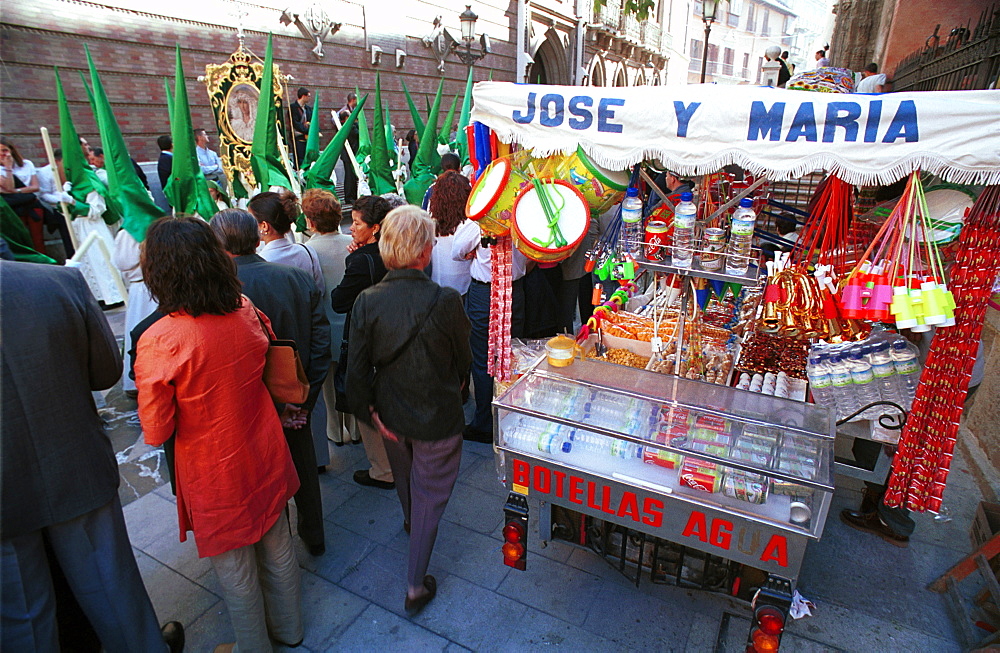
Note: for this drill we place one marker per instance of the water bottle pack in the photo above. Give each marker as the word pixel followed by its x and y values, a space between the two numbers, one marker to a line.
pixel 848 376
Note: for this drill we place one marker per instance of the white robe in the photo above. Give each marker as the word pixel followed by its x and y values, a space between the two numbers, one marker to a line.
pixel 140 302
pixel 97 270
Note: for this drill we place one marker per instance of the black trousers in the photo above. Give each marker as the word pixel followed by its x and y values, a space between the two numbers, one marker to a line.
pixel 308 501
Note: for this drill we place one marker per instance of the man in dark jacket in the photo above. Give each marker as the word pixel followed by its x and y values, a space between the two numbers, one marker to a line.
pixel 60 478
pixel 165 164
pixel 301 114
pixel 290 299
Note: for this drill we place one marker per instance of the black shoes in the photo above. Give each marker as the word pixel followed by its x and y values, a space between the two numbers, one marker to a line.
pixel 475 435
pixel 872 523
pixel 316 550
pixel 362 477
pixel 173 636
pixel 414 606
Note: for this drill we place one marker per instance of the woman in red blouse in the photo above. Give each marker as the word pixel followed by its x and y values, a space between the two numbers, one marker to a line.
pixel 199 374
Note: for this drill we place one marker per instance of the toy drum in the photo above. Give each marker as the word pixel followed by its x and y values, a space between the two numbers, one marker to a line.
pixel 601 188
pixel 492 198
pixel 531 231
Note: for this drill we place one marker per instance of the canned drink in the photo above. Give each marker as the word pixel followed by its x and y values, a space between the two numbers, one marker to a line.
pixel 713 244
pixel 656 240
pixel 745 487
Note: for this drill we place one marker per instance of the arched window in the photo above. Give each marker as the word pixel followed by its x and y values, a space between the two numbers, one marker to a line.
pixel 597 73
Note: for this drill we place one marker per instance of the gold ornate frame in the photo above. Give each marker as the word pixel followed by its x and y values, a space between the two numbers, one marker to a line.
pixel 228 85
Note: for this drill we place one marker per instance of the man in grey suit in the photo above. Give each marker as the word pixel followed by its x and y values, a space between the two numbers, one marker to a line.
pixel 60 478
pixel 289 297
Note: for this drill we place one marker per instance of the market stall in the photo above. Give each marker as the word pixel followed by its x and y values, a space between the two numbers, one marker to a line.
pixel 743 468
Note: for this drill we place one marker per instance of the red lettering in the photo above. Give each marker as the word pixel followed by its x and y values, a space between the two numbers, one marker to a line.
pixel 559 481
pixel 722 533
pixel 606 500
pixel 696 526
pixel 543 481
pixel 591 487
pixel 654 512
pixel 522 472
pixel 575 490
pixel 776 550
pixel 629 506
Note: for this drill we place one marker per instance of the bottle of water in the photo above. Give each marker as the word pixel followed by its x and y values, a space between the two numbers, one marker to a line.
pixel 536 436
pixel 685 214
pixel 820 382
pixel 904 357
pixel 843 386
pixel 632 223
pixel 740 236
pixel 586 442
pixel 885 373
pixel 864 381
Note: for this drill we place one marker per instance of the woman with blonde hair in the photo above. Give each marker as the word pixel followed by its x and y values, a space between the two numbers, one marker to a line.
pixel 409 358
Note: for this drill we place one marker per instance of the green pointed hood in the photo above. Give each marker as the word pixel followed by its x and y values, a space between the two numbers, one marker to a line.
pixel 463 121
pixel 90 95
pixel 265 157
pixel 170 101
pixel 16 234
pixel 318 175
pixel 312 140
pixel 125 189
pixel 418 122
pixel 444 135
pixel 77 168
pixel 364 139
pixel 422 177
pixel 187 189
pixel 380 179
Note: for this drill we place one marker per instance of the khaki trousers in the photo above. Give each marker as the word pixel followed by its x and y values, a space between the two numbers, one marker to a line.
pixel 261 586
pixel 375 449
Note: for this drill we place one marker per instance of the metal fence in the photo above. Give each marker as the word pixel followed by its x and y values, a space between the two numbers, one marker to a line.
pixel 966 59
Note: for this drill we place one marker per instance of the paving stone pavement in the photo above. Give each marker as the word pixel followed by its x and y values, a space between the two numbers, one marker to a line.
pixel 869 596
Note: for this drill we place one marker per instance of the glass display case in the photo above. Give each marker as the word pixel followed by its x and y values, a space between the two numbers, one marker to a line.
pixel 705 465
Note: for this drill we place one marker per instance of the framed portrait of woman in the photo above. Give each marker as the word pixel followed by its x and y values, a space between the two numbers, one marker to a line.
pixel 241 111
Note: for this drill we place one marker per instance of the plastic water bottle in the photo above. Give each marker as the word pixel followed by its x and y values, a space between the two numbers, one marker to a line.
pixel 685 214
pixel 632 223
pixel 595 443
pixel 532 435
pixel 864 381
pixel 843 386
pixel 821 382
pixel 740 236
pixel 904 357
pixel 885 373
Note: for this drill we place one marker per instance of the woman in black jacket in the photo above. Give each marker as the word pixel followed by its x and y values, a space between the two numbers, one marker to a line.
pixel 409 359
pixel 363 268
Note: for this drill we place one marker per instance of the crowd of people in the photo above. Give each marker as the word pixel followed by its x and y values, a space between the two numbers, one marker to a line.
pixel 389 323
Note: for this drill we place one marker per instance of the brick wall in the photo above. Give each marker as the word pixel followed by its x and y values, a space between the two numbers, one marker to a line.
pixel 135 50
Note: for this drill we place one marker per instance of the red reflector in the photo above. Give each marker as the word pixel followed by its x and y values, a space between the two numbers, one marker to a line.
pixel 763 642
pixel 512 550
pixel 770 620
pixel 513 531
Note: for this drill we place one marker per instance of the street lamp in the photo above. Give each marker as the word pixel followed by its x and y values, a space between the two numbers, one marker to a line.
pixel 709 9
pixel 464 50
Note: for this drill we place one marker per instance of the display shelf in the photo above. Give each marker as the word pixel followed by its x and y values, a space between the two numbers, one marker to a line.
pixel 766 459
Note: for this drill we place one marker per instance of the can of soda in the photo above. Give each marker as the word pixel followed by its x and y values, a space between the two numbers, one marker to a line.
pixel 745 487
pixel 714 242
pixel 656 241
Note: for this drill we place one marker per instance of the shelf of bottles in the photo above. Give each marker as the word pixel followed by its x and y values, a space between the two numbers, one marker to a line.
pixel 763 456
pixel 704 263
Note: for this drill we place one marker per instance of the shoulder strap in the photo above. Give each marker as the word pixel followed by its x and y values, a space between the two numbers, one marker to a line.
pixel 371 267
pixel 263 327
pixel 406 345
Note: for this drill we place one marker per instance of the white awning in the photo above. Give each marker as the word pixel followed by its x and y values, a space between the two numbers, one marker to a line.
pixel 863 139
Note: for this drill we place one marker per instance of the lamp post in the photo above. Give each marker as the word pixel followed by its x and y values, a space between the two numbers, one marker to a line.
pixel 709 9
pixel 464 50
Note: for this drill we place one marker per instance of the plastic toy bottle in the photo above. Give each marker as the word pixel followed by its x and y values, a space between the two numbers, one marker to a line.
pixel 685 214
pixel 740 236
pixel 632 223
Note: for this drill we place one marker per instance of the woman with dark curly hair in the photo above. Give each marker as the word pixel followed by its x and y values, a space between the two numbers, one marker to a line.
pixel 447 207
pixel 276 213
pixel 199 371
pixel 364 268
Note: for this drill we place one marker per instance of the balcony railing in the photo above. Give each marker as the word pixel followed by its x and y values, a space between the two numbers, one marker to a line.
pixel 609 15
pixel 646 33
pixel 650 35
